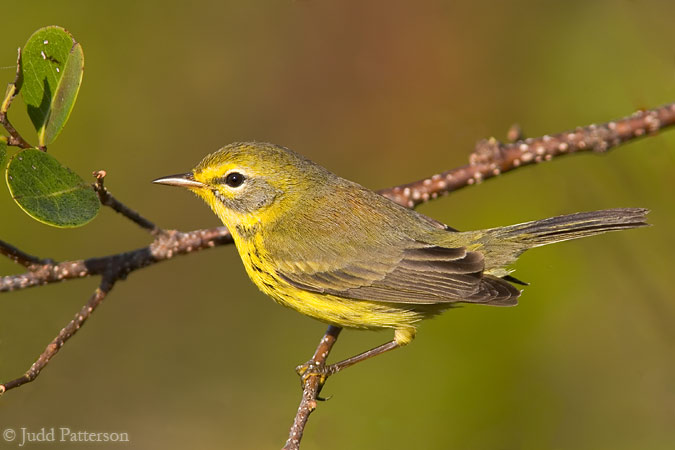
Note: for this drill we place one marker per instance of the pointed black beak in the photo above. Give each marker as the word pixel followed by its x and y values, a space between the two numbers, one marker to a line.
pixel 182 179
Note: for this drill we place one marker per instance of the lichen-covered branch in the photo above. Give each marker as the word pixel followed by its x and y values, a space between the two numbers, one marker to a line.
pixel 166 245
pixel 491 157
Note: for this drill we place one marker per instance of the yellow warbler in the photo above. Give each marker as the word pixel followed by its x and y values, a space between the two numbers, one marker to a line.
pixel 336 251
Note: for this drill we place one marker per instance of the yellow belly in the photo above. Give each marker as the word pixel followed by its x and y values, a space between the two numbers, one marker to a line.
pixel 331 309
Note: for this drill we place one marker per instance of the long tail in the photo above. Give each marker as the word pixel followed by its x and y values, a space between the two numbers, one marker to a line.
pixel 572 226
pixel 503 245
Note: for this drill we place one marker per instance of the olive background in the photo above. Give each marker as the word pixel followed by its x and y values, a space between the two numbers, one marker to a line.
pixel 188 353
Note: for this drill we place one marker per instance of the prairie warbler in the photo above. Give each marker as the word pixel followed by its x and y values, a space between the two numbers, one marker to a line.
pixel 336 251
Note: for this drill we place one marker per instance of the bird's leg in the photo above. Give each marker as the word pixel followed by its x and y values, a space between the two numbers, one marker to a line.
pixel 402 336
pixel 338 366
pixel 311 368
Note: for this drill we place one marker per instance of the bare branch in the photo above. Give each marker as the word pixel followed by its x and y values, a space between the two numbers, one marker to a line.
pixel 66 333
pixel 165 246
pixel 491 157
pixel 107 199
pixel 19 257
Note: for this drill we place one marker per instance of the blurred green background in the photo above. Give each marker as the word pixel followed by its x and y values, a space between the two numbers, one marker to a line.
pixel 188 354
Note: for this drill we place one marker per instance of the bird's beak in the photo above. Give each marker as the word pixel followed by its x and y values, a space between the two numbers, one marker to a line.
pixel 186 180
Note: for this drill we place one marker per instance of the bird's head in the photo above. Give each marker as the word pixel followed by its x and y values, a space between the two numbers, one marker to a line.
pixel 250 183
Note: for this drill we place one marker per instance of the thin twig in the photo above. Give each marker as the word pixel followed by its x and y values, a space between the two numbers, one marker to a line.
pixel 20 257
pixel 311 388
pixel 15 139
pixel 107 199
pixel 66 333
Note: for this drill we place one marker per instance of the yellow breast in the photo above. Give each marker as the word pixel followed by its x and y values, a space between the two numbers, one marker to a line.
pixel 335 310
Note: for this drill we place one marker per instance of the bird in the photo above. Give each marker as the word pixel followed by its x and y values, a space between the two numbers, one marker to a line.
pixel 338 252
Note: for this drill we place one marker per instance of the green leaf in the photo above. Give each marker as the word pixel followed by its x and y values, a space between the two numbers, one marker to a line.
pixel 52 65
pixel 64 97
pixel 50 192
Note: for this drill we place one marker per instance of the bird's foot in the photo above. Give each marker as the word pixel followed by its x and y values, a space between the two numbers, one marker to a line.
pixel 314 372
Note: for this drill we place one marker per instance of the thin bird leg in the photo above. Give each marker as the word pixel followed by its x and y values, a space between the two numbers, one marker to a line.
pixel 311 369
pixel 316 367
pixel 402 336
pixel 338 366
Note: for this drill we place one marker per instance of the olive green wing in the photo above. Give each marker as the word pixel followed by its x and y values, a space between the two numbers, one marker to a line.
pixel 422 274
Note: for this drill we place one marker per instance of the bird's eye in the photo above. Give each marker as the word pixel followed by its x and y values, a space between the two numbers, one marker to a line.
pixel 234 179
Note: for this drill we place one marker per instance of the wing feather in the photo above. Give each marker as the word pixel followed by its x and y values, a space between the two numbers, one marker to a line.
pixel 419 274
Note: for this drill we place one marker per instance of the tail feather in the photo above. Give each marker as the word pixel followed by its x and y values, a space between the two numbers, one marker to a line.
pixel 572 226
pixel 501 246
